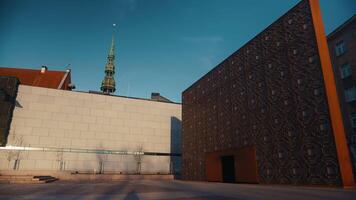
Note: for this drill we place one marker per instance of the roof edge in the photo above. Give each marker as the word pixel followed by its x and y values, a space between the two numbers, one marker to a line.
pixel 17 68
pixel 341 27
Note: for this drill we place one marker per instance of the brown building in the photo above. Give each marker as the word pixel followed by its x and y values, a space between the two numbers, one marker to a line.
pixel 269 113
pixel 342 47
pixel 40 78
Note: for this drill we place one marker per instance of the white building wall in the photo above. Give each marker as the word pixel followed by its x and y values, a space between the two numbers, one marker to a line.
pixel 50 118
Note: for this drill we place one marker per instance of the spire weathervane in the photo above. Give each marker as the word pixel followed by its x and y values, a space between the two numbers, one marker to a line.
pixel 108 84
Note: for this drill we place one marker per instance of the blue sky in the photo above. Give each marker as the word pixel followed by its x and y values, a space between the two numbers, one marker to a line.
pixel 162 45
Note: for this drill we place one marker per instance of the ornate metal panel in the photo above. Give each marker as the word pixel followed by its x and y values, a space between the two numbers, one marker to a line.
pixel 269 94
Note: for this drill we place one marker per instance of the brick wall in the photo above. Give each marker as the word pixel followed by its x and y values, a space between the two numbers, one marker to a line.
pixel 346 34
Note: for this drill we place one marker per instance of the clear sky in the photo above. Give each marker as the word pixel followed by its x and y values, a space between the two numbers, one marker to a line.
pixel 162 45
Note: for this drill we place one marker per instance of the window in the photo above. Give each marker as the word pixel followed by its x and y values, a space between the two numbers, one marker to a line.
pixel 345 71
pixel 350 94
pixel 340 48
pixel 353 120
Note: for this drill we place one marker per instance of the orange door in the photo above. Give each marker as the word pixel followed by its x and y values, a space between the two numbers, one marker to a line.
pixel 246 165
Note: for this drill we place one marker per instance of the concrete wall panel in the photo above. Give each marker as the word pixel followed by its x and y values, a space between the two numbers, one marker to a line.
pixel 49 118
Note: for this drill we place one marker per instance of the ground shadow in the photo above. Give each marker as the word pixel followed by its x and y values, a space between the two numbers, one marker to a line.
pixel 131 196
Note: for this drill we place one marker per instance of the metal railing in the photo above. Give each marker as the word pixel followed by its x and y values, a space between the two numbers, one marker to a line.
pixel 95 151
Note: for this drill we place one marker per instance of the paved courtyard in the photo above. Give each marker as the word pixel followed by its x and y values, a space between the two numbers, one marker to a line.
pixel 172 190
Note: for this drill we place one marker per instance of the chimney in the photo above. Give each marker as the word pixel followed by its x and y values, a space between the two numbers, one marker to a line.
pixel 43 69
pixel 157 97
pixel 71 86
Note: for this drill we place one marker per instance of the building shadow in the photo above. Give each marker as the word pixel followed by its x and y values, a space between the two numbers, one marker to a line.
pixel 176 138
pixel 131 196
pixel 101 158
pixel 17 104
pixel 8 94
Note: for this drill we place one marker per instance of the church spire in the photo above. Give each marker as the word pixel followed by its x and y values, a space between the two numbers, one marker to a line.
pixel 112 48
pixel 108 84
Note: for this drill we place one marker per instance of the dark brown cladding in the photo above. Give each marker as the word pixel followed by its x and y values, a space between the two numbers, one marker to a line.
pixel 269 95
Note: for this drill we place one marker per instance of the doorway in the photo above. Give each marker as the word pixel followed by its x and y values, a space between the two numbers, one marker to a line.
pixel 228 169
pixel 232 165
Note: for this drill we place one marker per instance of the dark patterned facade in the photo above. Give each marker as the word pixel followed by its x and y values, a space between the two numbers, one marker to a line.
pixel 269 94
pixel 8 93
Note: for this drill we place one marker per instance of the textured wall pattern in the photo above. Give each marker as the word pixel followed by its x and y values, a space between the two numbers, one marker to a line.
pixel 8 92
pixel 50 118
pixel 269 94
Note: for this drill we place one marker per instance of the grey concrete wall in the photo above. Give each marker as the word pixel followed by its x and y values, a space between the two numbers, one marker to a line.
pixel 66 120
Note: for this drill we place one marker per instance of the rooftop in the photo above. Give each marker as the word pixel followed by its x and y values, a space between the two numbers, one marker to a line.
pixel 40 77
pixel 341 27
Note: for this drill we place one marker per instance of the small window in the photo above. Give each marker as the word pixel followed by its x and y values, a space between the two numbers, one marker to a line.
pixel 350 94
pixel 353 120
pixel 345 71
pixel 340 48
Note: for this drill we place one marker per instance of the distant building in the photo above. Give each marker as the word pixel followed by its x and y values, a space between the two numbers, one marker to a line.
pixel 40 78
pixel 342 47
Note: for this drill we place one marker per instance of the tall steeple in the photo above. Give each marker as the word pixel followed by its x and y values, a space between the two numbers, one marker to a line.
pixel 108 84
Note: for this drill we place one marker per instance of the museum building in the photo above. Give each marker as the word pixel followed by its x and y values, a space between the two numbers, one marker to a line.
pixel 269 113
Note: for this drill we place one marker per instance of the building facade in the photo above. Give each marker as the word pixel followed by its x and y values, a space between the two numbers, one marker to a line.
pixel 59 130
pixel 269 113
pixel 342 47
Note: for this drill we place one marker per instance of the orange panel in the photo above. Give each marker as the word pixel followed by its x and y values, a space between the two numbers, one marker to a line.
pixel 246 165
pixel 213 167
pixel 333 101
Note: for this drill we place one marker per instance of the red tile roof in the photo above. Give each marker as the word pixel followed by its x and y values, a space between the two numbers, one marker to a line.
pixel 33 77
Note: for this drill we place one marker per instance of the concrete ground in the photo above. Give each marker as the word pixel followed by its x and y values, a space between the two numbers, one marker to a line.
pixel 172 190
